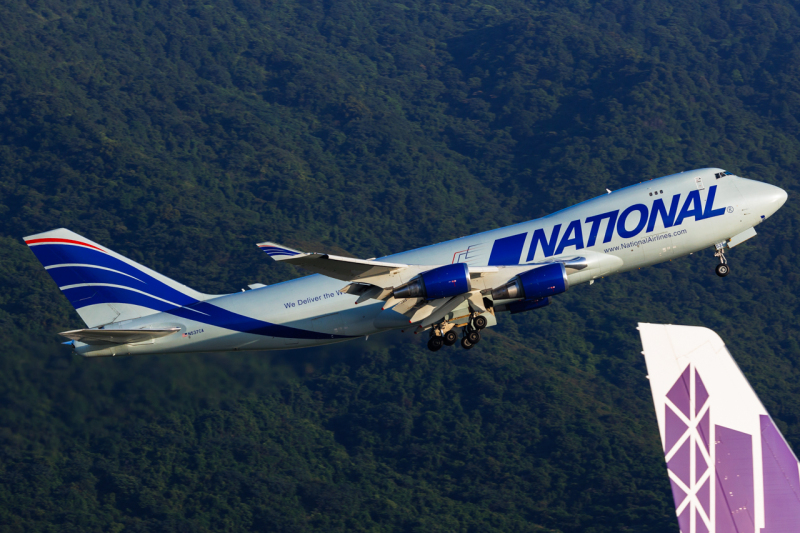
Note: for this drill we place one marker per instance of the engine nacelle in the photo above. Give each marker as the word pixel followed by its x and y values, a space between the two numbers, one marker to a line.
pixel 521 306
pixel 442 282
pixel 535 284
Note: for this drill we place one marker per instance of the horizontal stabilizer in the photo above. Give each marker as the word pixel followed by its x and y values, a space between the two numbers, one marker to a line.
pixel 729 467
pixel 333 266
pixel 279 252
pixel 117 336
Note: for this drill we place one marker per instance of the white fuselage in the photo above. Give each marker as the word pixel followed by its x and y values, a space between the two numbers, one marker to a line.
pixel 637 226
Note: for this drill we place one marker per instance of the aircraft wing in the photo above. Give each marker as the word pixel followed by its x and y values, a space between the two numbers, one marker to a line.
pixel 117 336
pixel 377 280
pixel 728 464
pixel 378 273
pixel 333 266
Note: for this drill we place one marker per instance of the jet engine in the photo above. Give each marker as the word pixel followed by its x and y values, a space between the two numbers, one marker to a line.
pixel 442 282
pixel 535 284
pixel 521 306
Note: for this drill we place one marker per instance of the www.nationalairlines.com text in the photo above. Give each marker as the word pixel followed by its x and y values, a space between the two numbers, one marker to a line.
pixel 639 242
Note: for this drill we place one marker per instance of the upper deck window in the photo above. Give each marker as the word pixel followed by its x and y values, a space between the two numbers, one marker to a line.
pixel 722 174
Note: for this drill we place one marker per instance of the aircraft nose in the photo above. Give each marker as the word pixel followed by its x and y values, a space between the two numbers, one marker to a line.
pixel 782 197
pixel 775 197
pixel 771 198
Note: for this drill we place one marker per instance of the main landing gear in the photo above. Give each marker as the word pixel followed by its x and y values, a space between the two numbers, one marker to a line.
pixel 435 343
pixel 450 338
pixel 470 339
pixel 445 334
pixel 722 269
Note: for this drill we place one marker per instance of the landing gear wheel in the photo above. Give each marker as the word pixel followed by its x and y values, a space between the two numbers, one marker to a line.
pixel 480 322
pixel 435 343
pixel 473 337
pixel 466 344
pixel 450 338
pixel 722 268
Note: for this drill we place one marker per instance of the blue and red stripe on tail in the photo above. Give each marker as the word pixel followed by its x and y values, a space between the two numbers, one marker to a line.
pixel 103 286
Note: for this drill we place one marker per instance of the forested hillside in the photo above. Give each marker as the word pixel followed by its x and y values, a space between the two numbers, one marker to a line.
pixel 180 133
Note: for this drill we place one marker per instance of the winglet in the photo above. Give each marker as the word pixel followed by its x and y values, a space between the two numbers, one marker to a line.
pixel 729 467
pixel 279 252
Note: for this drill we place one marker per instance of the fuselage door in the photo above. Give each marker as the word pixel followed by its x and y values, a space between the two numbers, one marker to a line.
pixel 699 182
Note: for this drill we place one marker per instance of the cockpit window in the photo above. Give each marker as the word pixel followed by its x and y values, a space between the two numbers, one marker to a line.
pixel 719 175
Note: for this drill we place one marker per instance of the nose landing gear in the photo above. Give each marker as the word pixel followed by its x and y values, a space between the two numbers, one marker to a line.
pixel 722 268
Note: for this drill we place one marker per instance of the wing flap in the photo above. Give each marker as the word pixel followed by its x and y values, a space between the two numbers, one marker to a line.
pixel 117 336
pixel 441 311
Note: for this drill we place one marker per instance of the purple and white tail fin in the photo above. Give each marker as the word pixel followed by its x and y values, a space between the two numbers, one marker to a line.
pixel 730 468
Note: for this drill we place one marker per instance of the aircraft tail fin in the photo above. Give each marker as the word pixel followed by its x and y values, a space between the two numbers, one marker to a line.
pixel 729 466
pixel 104 286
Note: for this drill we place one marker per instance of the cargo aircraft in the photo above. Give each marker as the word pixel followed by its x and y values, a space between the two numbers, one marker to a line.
pixel 458 285
pixel 730 469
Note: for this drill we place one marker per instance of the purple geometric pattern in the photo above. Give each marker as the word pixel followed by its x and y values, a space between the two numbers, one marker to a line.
pixel 723 516
pixel 731 471
pixel 687 458
pixel 679 393
pixel 700 526
pixel 684 518
pixel 703 429
pixel 675 428
pixel 781 481
pixel 701 395
pixel 704 496
pixel 735 507
pixel 680 464
pixel 700 465
pixel 678 494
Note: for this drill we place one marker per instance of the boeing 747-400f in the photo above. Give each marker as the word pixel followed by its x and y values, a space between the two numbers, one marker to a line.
pixel 459 285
